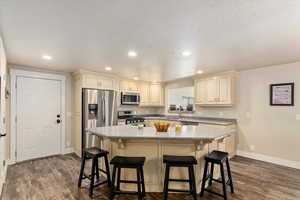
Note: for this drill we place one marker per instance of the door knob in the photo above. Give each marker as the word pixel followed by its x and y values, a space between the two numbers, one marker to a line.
pixel 3 135
pixel 58 121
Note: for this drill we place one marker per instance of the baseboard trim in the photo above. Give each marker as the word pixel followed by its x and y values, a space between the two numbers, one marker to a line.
pixel 10 162
pixel 68 150
pixel 2 181
pixel 270 159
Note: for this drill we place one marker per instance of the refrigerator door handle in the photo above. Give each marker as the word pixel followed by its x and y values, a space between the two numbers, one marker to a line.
pixel 103 110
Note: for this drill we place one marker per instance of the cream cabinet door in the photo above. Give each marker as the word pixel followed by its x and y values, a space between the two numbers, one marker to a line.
pixel 132 86
pixel 105 83
pixel 212 88
pixel 225 90
pixel 155 93
pixel 129 86
pixel 200 91
pixel 144 93
pixel 123 85
pixel 90 81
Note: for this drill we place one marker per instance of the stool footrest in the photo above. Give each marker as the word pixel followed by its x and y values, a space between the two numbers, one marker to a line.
pixel 179 180
pixel 219 181
pixel 178 190
pixel 128 181
pixel 101 183
pixel 103 171
pixel 125 192
pixel 210 191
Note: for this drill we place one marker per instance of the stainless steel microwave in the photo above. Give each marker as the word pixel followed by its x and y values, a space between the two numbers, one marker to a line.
pixel 130 98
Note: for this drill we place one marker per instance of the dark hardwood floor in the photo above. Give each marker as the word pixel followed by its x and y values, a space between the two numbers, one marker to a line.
pixel 56 178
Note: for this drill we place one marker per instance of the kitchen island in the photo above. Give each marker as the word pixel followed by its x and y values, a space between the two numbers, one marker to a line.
pixel 128 140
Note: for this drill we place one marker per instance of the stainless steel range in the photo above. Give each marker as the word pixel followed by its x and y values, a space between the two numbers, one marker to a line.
pixel 129 117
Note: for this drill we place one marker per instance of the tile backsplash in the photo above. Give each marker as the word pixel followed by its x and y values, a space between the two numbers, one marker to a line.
pixel 142 110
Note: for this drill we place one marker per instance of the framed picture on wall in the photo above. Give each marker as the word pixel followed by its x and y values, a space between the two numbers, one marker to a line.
pixel 282 94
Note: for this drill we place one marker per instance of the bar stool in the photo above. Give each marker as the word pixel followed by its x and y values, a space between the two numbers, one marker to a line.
pixel 180 161
pixel 219 158
pixel 137 163
pixel 94 153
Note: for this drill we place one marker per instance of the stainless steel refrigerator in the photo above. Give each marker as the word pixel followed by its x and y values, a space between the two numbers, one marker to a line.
pixel 99 108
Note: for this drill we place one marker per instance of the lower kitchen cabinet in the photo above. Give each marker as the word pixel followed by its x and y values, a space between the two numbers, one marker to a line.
pixel 228 144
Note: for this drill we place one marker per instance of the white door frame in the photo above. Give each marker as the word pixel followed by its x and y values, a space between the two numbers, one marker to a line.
pixel 14 73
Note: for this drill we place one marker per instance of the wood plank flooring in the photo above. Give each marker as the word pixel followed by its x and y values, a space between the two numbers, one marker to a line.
pixel 56 177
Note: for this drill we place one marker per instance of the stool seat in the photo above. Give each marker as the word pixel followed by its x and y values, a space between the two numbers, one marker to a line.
pixel 94 151
pixel 121 162
pixel 180 160
pixel 217 156
pixel 128 161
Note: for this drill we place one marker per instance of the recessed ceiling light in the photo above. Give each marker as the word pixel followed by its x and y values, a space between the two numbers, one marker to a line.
pixel 136 78
pixel 47 57
pixel 199 72
pixel 108 68
pixel 132 54
pixel 186 53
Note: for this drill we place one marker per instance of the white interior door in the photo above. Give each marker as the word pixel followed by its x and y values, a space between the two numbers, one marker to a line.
pixel 38 104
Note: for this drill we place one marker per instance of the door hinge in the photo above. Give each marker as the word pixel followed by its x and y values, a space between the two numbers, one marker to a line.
pixel 16 119
pixel 16 154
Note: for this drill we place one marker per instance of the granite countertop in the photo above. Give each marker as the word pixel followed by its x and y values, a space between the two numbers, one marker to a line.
pixel 204 120
pixel 187 133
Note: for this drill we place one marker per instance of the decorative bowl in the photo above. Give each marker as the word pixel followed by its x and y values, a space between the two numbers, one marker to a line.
pixel 161 126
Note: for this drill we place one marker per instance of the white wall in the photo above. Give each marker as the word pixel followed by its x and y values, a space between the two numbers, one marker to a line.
pixel 272 131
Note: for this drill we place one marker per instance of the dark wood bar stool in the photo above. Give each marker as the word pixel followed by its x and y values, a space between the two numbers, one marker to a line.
pixel 219 158
pixel 180 161
pixel 94 153
pixel 120 162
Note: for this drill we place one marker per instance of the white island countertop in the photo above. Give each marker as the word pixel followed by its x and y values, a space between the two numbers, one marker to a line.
pixel 187 133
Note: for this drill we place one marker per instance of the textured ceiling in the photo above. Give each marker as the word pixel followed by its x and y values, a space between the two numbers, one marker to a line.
pixel 91 34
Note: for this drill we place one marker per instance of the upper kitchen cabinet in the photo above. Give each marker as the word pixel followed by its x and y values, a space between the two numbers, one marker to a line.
pixel 144 93
pixel 217 90
pixel 95 80
pixel 98 82
pixel 129 86
pixel 152 94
